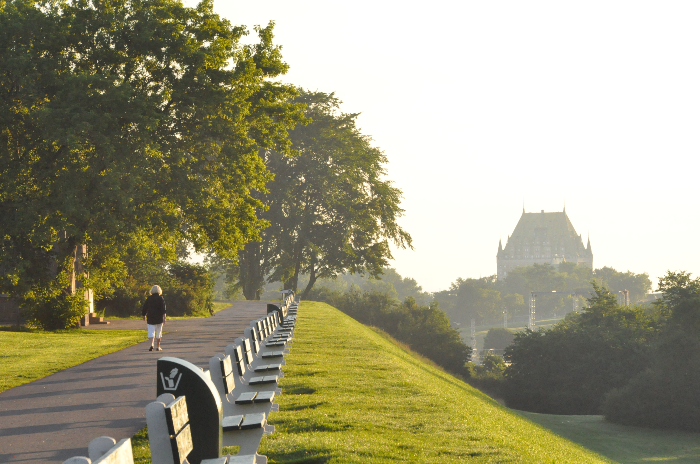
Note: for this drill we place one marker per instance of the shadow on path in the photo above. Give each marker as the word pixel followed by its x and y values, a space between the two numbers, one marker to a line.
pixel 54 418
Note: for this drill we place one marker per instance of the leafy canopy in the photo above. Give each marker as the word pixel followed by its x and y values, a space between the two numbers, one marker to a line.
pixel 124 120
pixel 331 210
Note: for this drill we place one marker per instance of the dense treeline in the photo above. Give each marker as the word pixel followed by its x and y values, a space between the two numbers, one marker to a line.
pixel 486 298
pixel 637 366
pixel 426 329
pixel 569 368
pixel 667 394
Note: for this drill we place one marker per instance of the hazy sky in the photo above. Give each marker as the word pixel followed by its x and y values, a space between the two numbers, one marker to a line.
pixel 481 106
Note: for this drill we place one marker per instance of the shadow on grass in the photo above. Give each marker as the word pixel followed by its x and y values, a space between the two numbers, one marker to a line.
pixel 621 443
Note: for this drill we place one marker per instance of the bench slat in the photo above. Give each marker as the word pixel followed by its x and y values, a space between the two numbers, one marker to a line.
pixel 253 421
pixel 264 397
pixel 232 423
pixel 246 398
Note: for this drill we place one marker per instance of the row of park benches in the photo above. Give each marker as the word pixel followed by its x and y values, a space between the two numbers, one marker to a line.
pixel 197 412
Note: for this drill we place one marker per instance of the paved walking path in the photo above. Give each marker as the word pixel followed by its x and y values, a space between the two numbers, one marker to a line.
pixel 54 418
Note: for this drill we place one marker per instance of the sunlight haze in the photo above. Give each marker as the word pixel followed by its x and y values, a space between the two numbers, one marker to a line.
pixel 483 106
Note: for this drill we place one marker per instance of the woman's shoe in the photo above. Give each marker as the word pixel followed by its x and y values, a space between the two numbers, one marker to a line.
pixel 160 349
pixel 150 349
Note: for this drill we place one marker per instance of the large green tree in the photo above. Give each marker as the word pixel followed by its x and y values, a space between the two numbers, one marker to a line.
pixel 330 208
pixel 129 119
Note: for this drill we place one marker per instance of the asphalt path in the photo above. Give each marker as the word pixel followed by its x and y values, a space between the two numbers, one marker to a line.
pixel 54 418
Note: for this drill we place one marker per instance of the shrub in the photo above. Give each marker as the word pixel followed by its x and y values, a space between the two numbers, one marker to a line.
pixel 187 288
pixel 52 307
pixel 498 338
pixel 489 376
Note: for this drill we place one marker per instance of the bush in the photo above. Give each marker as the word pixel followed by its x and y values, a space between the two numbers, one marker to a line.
pixel 498 338
pixel 489 376
pixel 187 288
pixel 54 312
pixel 52 307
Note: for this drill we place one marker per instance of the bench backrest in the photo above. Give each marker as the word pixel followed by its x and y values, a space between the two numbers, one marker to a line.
pixel 247 351
pixel 178 423
pixel 227 374
pixel 240 361
pixel 205 411
pixel 252 335
pixel 258 326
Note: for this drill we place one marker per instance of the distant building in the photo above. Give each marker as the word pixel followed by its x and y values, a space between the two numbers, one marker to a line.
pixel 542 238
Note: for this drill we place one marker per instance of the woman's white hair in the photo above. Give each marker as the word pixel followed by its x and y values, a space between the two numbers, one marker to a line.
pixel 156 289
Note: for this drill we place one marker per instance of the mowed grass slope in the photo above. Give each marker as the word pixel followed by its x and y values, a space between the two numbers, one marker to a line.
pixel 352 395
pixel 30 355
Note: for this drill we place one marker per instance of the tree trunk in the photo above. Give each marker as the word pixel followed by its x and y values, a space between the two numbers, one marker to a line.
pixel 312 281
pixel 293 281
pixel 250 272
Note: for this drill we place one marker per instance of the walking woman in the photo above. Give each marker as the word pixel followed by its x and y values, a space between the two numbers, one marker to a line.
pixel 154 315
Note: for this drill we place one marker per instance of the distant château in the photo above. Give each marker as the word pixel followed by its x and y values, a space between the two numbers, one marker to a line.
pixel 542 238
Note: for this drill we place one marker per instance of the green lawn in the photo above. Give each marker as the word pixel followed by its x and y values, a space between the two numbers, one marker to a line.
pixel 629 445
pixel 29 355
pixel 351 395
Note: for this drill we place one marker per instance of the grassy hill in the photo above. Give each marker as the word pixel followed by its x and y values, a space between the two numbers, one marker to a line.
pixel 353 395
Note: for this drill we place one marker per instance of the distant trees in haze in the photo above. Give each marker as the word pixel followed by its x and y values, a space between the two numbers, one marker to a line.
pixel 636 365
pixel 486 298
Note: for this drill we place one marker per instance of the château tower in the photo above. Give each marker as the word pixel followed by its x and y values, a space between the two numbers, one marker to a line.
pixel 542 238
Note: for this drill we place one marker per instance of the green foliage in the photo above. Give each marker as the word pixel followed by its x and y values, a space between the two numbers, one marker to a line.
pixel 666 394
pixel 485 299
pixel 389 281
pixel 53 307
pixel 331 210
pixel 488 376
pixel 498 338
pixel 188 289
pixel 569 368
pixel 426 329
pixel 125 120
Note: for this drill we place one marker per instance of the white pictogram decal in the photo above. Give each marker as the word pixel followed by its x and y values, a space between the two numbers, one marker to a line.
pixel 170 383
